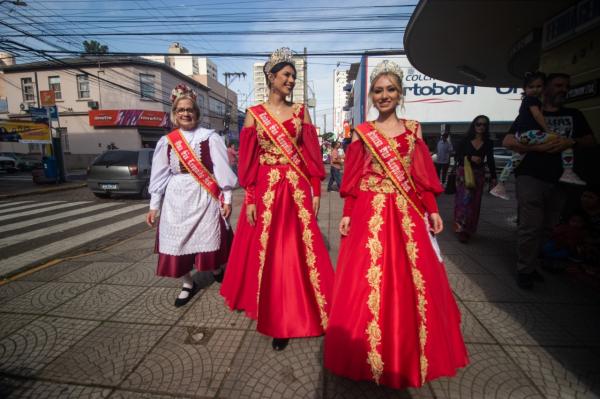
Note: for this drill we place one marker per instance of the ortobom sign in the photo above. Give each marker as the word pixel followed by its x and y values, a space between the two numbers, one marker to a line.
pixel 433 101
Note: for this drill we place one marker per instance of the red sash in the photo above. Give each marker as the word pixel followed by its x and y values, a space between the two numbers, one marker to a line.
pixel 194 166
pixel 280 138
pixel 391 161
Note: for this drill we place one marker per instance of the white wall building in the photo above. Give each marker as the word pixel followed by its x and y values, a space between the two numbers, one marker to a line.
pixel 100 100
pixel 261 90
pixel 339 100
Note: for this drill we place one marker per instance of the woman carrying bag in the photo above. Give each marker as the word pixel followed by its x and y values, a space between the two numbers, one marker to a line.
pixel 474 151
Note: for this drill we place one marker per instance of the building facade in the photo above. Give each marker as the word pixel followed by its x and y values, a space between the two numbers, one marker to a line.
pixel 340 77
pixel 220 108
pixel 261 90
pixel 101 101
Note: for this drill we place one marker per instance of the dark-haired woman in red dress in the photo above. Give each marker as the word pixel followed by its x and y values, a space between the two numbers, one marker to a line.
pixel 279 271
pixel 393 318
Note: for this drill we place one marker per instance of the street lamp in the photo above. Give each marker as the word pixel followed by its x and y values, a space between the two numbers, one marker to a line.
pixel 15 2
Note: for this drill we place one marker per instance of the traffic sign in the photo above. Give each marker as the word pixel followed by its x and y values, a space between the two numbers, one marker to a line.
pixel 47 98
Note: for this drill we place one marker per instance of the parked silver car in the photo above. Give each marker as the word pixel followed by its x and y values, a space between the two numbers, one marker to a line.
pixel 121 172
pixel 24 162
pixel 501 157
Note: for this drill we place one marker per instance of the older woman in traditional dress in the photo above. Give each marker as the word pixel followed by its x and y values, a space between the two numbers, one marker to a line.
pixel 280 273
pixel 393 318
pixel 191 184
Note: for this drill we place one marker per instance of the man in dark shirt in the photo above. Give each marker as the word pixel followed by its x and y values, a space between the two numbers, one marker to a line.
pixel 540 197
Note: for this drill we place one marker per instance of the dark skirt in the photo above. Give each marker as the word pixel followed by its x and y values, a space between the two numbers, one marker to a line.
pixel 179 265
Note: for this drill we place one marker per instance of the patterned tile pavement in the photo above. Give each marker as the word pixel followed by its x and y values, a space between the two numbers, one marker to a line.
pixel 104 326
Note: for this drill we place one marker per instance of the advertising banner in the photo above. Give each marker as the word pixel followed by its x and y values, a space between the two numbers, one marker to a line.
pixel 432 101
pixel 129 117
pixel 24 132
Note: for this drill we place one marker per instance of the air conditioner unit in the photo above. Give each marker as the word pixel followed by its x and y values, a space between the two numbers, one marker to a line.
pixel 93 104
pixel 24 106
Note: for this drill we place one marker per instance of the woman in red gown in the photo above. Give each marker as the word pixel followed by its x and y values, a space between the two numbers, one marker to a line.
pixel 279 271
pixel 393 318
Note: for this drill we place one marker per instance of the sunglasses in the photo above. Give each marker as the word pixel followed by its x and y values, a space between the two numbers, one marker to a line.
pixel 478 124
pixel 184 110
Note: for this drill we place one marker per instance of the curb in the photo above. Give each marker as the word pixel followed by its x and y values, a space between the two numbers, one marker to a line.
pixel 43 191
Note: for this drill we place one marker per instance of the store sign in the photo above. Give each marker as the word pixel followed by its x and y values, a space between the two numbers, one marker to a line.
pixel 572 21
pixel 129 117
pixel 429 100
pixel 582 91
pixel 24 132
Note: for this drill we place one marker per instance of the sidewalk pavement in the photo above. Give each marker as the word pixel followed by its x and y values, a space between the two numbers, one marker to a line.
pixel 103 326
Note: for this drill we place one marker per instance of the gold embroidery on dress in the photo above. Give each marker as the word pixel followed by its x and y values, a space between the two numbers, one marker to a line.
pixel 377 184
pixel 268 198
pixel 418 281
pixel 307 239
pixel 374 275
pixel 296 118
pixel 270 154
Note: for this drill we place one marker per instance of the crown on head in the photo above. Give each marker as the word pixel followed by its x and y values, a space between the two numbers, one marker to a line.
pixel 182 90
pixel 280 55
pixel 387 66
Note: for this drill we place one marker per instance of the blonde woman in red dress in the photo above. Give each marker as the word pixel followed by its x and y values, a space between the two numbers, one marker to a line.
pixel 393 318
pixel 279 271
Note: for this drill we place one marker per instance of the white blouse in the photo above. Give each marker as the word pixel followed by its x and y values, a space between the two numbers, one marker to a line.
pixel 162 170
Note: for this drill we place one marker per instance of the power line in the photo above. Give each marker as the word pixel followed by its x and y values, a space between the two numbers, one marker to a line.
pixel 321 31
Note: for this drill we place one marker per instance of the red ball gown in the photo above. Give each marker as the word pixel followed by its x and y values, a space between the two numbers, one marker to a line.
pixel 393 318
pixel 279 271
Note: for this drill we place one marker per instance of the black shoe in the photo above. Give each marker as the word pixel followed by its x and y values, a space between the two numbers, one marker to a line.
pixel 192 291
pixel 219 277
pixel 463 237
pixel 537 276
pixel 525 280
pixel 279 344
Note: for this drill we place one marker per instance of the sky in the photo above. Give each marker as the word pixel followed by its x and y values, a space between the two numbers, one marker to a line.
pixel 212 26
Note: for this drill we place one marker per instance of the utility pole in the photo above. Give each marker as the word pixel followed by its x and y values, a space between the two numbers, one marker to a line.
pixel 305 72
pixel 227 116
pixel 324 123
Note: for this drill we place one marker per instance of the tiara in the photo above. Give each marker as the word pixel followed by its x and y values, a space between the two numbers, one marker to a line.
pixel 387 66
pixel 182 90
pixel 280 55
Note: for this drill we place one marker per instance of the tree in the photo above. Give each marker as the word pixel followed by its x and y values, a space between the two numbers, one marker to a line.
pixel 94 47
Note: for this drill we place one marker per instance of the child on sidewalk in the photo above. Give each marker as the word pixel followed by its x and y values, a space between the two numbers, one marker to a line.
pixel 531 128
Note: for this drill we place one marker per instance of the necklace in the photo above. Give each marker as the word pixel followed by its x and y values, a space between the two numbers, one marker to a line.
pixel 277 111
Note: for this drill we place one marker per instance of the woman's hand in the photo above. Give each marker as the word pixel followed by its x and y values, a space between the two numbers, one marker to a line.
pixel 251 214
pixel 345 225
pixel 436 225
pixel 476 159
pixel 316 203
pixel 151 217
pixel 226 211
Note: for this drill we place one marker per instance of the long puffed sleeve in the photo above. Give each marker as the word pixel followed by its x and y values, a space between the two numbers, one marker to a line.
pixel 160 174
pixel 221 169
pixel 356 162
pixel 248 161
pixel 311 151
pixel 425 177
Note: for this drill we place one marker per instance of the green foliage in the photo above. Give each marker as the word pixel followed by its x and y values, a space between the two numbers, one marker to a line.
pixel 94 47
